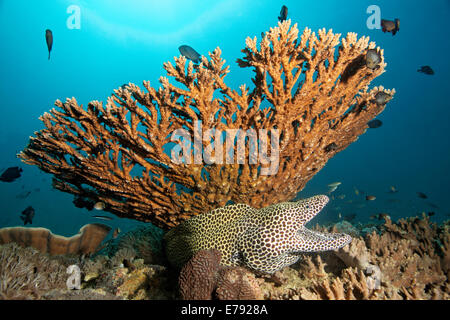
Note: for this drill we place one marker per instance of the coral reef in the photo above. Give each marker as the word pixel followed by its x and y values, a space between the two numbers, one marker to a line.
pixel 85 242
pixel 405 260
pixel 310 95
pixel 408 259
pixel 264 240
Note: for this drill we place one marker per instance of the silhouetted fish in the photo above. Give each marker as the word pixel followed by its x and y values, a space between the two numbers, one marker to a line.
pixel 432 205
pixel 331 147
pixel 189 53
pixel 350 217
pixel 81 203
pixel 23 195
pixel 379 216
pixel 422 195
pixel 283 14
pixel 11 174
pixel 27 215
pixel 49 39
pixel 375 124
pixel 390 26
pixel 426 69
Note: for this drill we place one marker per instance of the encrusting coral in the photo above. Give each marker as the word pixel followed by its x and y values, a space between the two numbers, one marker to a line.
pixel 311 97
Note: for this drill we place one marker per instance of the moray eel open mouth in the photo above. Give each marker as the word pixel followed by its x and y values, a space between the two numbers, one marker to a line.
pixel 264 240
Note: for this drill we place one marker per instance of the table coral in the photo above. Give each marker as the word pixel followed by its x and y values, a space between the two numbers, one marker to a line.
pixel 310 96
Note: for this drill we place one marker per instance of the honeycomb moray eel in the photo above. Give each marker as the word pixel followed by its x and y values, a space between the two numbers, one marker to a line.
pixel 265 240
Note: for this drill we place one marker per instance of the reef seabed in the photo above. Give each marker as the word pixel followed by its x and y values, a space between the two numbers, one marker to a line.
pixel 408 259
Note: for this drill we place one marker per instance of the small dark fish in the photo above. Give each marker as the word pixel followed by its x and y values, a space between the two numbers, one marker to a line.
pixel 431 213
pixel 283 14
pixel 98 149
pixel 189 53
pixel 27 215
pixel 331 147
pixel 432 205
pixel 370 198
pixel 375 124
pixel 390 26
pixel 23 195
pixel 427 70
pixel 373 59
pixel 103 218
pixel 82 203
pixel 381 98
pixel 422 195
pixel 350 217
pixel 49 39
pixel 380 216
pixel 11 174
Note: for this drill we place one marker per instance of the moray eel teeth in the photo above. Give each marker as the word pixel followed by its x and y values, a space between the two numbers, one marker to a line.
pixel 264 240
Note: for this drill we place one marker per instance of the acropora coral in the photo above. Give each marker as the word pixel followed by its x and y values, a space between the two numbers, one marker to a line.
pixel 310 95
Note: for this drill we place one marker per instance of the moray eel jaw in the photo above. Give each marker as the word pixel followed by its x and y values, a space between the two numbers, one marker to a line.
pixel 314 241
pixel 279 237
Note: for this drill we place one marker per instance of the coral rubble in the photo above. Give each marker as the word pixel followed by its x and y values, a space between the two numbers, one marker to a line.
pixel 310 95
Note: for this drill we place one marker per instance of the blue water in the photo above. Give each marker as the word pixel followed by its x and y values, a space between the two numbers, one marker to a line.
pixel 128 41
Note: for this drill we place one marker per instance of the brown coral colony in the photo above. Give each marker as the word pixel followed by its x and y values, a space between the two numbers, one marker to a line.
pixel 117 152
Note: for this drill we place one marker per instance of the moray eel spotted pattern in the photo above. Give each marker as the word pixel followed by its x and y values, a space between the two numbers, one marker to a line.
pixel 264 240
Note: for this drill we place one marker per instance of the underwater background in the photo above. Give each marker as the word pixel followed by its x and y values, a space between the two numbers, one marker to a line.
pixel 128 41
